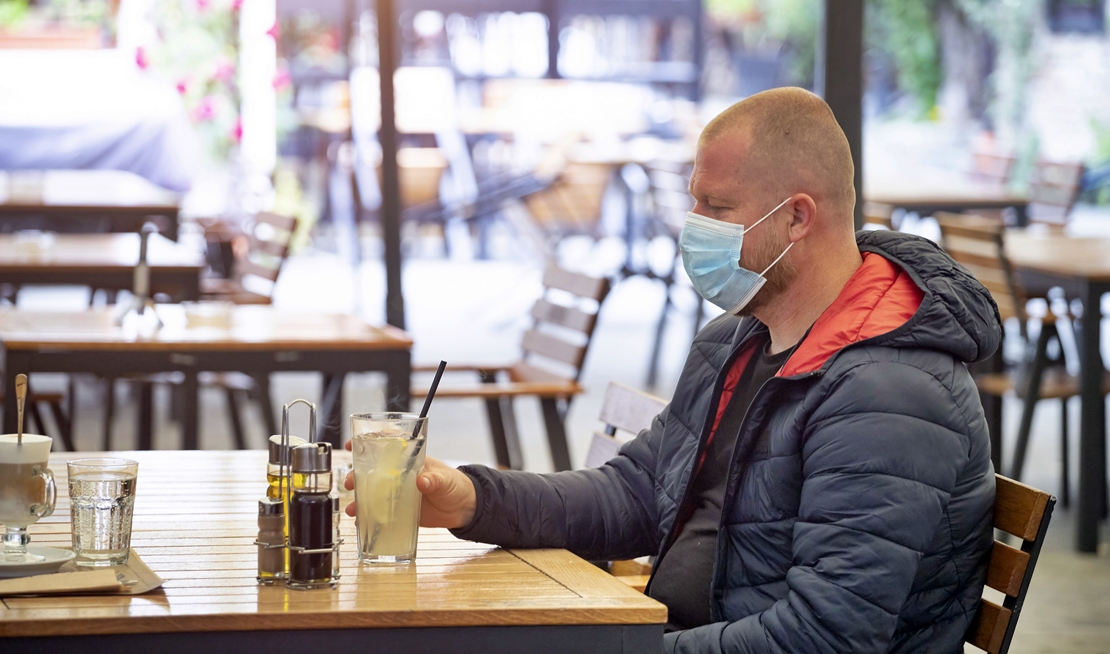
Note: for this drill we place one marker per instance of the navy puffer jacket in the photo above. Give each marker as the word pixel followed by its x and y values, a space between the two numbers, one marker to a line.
pixel 858 507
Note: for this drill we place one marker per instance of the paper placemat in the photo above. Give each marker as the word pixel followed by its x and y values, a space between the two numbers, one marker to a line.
pixel 133 578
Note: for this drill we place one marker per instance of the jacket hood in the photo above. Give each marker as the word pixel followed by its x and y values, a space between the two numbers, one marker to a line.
pixel 907 293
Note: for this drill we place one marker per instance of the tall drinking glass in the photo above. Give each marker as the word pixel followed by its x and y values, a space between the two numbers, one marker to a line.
pixel 102 502
pixel 26 491
pixel 388 455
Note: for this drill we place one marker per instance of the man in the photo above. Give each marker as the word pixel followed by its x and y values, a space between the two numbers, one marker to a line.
pixel 821 479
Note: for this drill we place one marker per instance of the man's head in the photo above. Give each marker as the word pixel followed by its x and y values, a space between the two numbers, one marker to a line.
pixel 782 143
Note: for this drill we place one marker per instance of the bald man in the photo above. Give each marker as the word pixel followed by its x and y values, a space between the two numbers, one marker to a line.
pixel 821 479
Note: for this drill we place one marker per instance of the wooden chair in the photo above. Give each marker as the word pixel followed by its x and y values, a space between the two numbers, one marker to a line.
pixel 631 411
pixel 978 244
pixel 572 203
pixel 258 260
pixel 1053 191
pixel 553 353
pixel 1022 511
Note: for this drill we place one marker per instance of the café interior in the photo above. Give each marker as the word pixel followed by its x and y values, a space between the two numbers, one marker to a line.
pixel 226 225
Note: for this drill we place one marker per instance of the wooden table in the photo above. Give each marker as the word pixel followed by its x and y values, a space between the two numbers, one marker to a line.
pixel 259 340
pixel 84 201
pixel 926 197
pixel 101 261
pixel 1081 266
pixel 195 520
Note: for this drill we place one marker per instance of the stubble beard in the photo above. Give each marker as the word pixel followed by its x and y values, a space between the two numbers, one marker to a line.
pixel 779 277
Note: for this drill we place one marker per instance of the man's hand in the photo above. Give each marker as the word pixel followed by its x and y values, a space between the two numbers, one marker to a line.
pixel 448 499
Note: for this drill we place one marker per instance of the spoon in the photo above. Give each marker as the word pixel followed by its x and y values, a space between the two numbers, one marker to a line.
pixel 20 400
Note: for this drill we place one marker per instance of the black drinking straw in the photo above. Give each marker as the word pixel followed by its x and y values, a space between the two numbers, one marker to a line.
pixel 431 394
pixel 424 414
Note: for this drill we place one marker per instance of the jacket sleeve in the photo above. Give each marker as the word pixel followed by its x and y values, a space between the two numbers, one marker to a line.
pixel 603 513
pixel 880 459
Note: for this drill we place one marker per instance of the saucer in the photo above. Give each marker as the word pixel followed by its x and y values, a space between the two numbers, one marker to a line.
pixel 53 558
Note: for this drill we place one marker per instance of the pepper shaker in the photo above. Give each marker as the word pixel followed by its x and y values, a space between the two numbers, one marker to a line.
pixel 271 541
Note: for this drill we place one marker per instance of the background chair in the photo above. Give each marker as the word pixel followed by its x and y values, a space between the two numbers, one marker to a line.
pixel 978 244
pixel 554 350
pixel 1022 511
pixel 259 256
pixel 631 411
pixel 1053 190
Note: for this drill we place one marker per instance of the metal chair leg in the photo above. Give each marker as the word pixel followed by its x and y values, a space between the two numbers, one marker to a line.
pixel 1065 483
pixel 109 410
pixel 265 404
pixel 556 433
pixel 1032 394
pixel 236 419
pixel 146 416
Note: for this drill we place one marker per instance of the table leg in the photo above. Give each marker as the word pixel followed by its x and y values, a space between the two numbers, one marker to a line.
pixel 398 382
pixel 146 415
pixel 190 421
pixel 1021 215
pixel 1092 423
pixel 331 408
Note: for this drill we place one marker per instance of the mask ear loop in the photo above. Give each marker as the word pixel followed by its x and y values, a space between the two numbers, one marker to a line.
pixel 781 204
pixel 777 259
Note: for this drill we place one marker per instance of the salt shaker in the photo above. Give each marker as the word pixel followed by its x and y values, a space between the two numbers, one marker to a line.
pixel 271 540
pixel 311 522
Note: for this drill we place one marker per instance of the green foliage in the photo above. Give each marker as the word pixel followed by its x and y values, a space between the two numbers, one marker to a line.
pixel 12 13
pixel 905 31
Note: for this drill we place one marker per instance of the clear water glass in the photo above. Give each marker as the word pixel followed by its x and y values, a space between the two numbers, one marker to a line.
pixel 102 502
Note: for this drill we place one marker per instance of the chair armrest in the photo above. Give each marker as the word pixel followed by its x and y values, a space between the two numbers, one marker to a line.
pixel 503 389
pixel 461 367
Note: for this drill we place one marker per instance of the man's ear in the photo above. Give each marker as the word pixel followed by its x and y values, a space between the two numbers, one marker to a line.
pixel 803 216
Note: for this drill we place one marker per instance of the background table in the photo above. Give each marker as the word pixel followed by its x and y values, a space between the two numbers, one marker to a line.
pixel 259 341
pixel 1081 266
pixel 103 261
pixel 957 195
pixel 84 201
pixel 195 520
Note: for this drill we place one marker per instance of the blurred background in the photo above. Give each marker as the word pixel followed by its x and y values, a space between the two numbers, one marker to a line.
pixel 527 134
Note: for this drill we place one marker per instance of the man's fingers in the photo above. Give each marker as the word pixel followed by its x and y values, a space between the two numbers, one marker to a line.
pixel 349 481
pixel 348 445
pixel 351 509
pixel 428 483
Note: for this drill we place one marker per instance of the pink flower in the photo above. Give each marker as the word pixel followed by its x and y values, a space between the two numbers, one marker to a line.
pixel 141 58
pixel 225 70
pixel 282 79
pixel 204 110
pixel 275 31
pixel 236 5
pixel 183 85
pixel 237 130
pixel 202 5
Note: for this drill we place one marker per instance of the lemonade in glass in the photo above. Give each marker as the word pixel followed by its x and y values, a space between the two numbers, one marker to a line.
pixel 388 453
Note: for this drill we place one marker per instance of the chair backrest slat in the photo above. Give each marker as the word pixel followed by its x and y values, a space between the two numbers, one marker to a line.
pixel 626 409
pixel 988 629
pixel 594 288
pixel 1025 512
pixel 546 345
pixel 1018 509
pixel 1007 569
pixel 629 409
pixel 245 267
pixel 568 317
pixel 283 223
pixel 879 213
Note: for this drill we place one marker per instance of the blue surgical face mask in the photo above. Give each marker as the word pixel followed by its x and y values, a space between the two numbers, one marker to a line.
pixel 711 255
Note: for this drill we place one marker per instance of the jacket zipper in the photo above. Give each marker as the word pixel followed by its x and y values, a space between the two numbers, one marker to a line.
pixel 710 415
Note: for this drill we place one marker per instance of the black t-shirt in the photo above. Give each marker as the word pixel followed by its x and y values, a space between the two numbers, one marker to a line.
pixel 685 573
